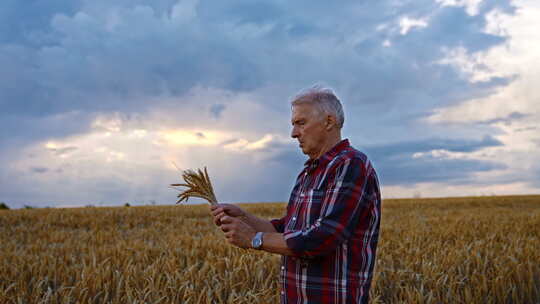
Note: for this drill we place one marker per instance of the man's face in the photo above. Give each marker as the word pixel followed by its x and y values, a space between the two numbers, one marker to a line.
pixel 308 128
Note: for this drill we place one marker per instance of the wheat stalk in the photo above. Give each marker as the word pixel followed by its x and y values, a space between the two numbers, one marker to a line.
pixel 198 185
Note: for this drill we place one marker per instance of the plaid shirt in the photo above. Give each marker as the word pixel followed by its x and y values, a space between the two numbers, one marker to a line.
pixel 332 226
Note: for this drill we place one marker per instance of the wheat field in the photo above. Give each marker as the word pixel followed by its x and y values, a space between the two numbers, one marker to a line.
pixel 452 250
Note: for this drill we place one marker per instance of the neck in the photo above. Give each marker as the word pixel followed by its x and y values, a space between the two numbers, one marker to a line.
pixel 329 144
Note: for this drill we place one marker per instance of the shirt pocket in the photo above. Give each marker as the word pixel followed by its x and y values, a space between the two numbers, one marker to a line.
pixel 315 202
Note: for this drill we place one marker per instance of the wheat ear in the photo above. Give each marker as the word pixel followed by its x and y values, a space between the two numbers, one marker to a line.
pixel 198 185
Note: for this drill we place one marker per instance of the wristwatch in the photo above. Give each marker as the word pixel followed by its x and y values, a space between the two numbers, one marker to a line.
pixel 257 241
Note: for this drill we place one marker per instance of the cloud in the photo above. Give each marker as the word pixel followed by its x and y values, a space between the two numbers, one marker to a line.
pixel 512 111
pixel 124 158
pixel 124 53
pixel 403 170
pixel 120 89
pixel 453 145
pixel 217 109
pixel 39 169
pixel 430 160
pixel 62 152
pixel 406 24
pixel 506 120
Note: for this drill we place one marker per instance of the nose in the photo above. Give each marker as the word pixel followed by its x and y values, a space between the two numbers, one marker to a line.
pixel 294 132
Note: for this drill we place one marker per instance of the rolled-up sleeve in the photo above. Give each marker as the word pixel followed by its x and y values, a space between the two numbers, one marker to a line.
pixel 343 203
pixel 279 224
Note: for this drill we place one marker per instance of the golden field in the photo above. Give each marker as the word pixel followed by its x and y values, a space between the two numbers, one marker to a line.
pixel 451 250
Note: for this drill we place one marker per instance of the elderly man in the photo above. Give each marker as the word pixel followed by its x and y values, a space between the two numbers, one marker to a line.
pixel 328 237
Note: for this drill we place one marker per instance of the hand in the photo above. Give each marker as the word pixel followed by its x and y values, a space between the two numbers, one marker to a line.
pixel 219 211
pixel 237 231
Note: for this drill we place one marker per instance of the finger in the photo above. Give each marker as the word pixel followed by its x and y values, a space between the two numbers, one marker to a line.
pixel 217 211
pixel 217 216
pixel 226 207
pixel 219 219
pixel 225 228
pixel 225 219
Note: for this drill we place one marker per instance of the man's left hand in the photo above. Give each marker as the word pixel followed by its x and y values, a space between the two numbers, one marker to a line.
pixel 237 231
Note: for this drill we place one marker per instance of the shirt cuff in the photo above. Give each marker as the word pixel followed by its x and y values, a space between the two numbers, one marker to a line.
pixel 295 242
pixel 278 225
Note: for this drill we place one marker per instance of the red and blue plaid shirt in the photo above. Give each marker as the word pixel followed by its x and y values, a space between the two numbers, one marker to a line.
pixel 332 226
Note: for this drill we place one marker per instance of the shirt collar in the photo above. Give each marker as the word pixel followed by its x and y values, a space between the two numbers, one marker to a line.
pixel 328 156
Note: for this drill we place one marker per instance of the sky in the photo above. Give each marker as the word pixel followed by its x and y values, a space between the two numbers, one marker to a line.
pixel 103 101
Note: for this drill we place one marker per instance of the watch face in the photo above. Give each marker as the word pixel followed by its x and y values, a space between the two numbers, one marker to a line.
pixel 257 241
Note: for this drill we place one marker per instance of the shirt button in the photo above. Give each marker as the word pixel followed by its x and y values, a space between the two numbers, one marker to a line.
pixel 282 292
pixel 282 267
pixel 294 218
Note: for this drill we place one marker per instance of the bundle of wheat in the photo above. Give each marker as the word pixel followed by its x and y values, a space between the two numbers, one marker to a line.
pixel 198 185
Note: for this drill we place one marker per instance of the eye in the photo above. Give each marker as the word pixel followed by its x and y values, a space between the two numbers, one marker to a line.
pixel 299 123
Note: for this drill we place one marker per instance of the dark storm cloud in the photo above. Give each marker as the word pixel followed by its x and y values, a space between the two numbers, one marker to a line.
pixel 506 120
pixel 28 23
pixel 22 130
pixel 93 67
pixel 65 62
pixel 426 145
pixel 39 169
pixel 217 109
pixel 406 170
pixel 105 56
pixel 530 128
pixel 397 164
pixel 63 151
pixel 290 158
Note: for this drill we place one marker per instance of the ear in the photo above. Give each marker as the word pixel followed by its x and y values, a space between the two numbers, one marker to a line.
pixel 330 122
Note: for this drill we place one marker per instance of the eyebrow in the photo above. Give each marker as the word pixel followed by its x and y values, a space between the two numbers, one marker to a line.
pixel 297 121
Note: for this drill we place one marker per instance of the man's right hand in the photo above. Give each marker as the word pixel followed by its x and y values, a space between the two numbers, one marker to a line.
pixel 220 210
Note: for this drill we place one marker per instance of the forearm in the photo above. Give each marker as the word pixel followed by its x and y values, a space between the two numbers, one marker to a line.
pixel 257 223
pixel 275 243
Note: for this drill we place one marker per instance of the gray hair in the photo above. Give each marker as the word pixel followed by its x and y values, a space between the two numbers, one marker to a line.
pixel 324 99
